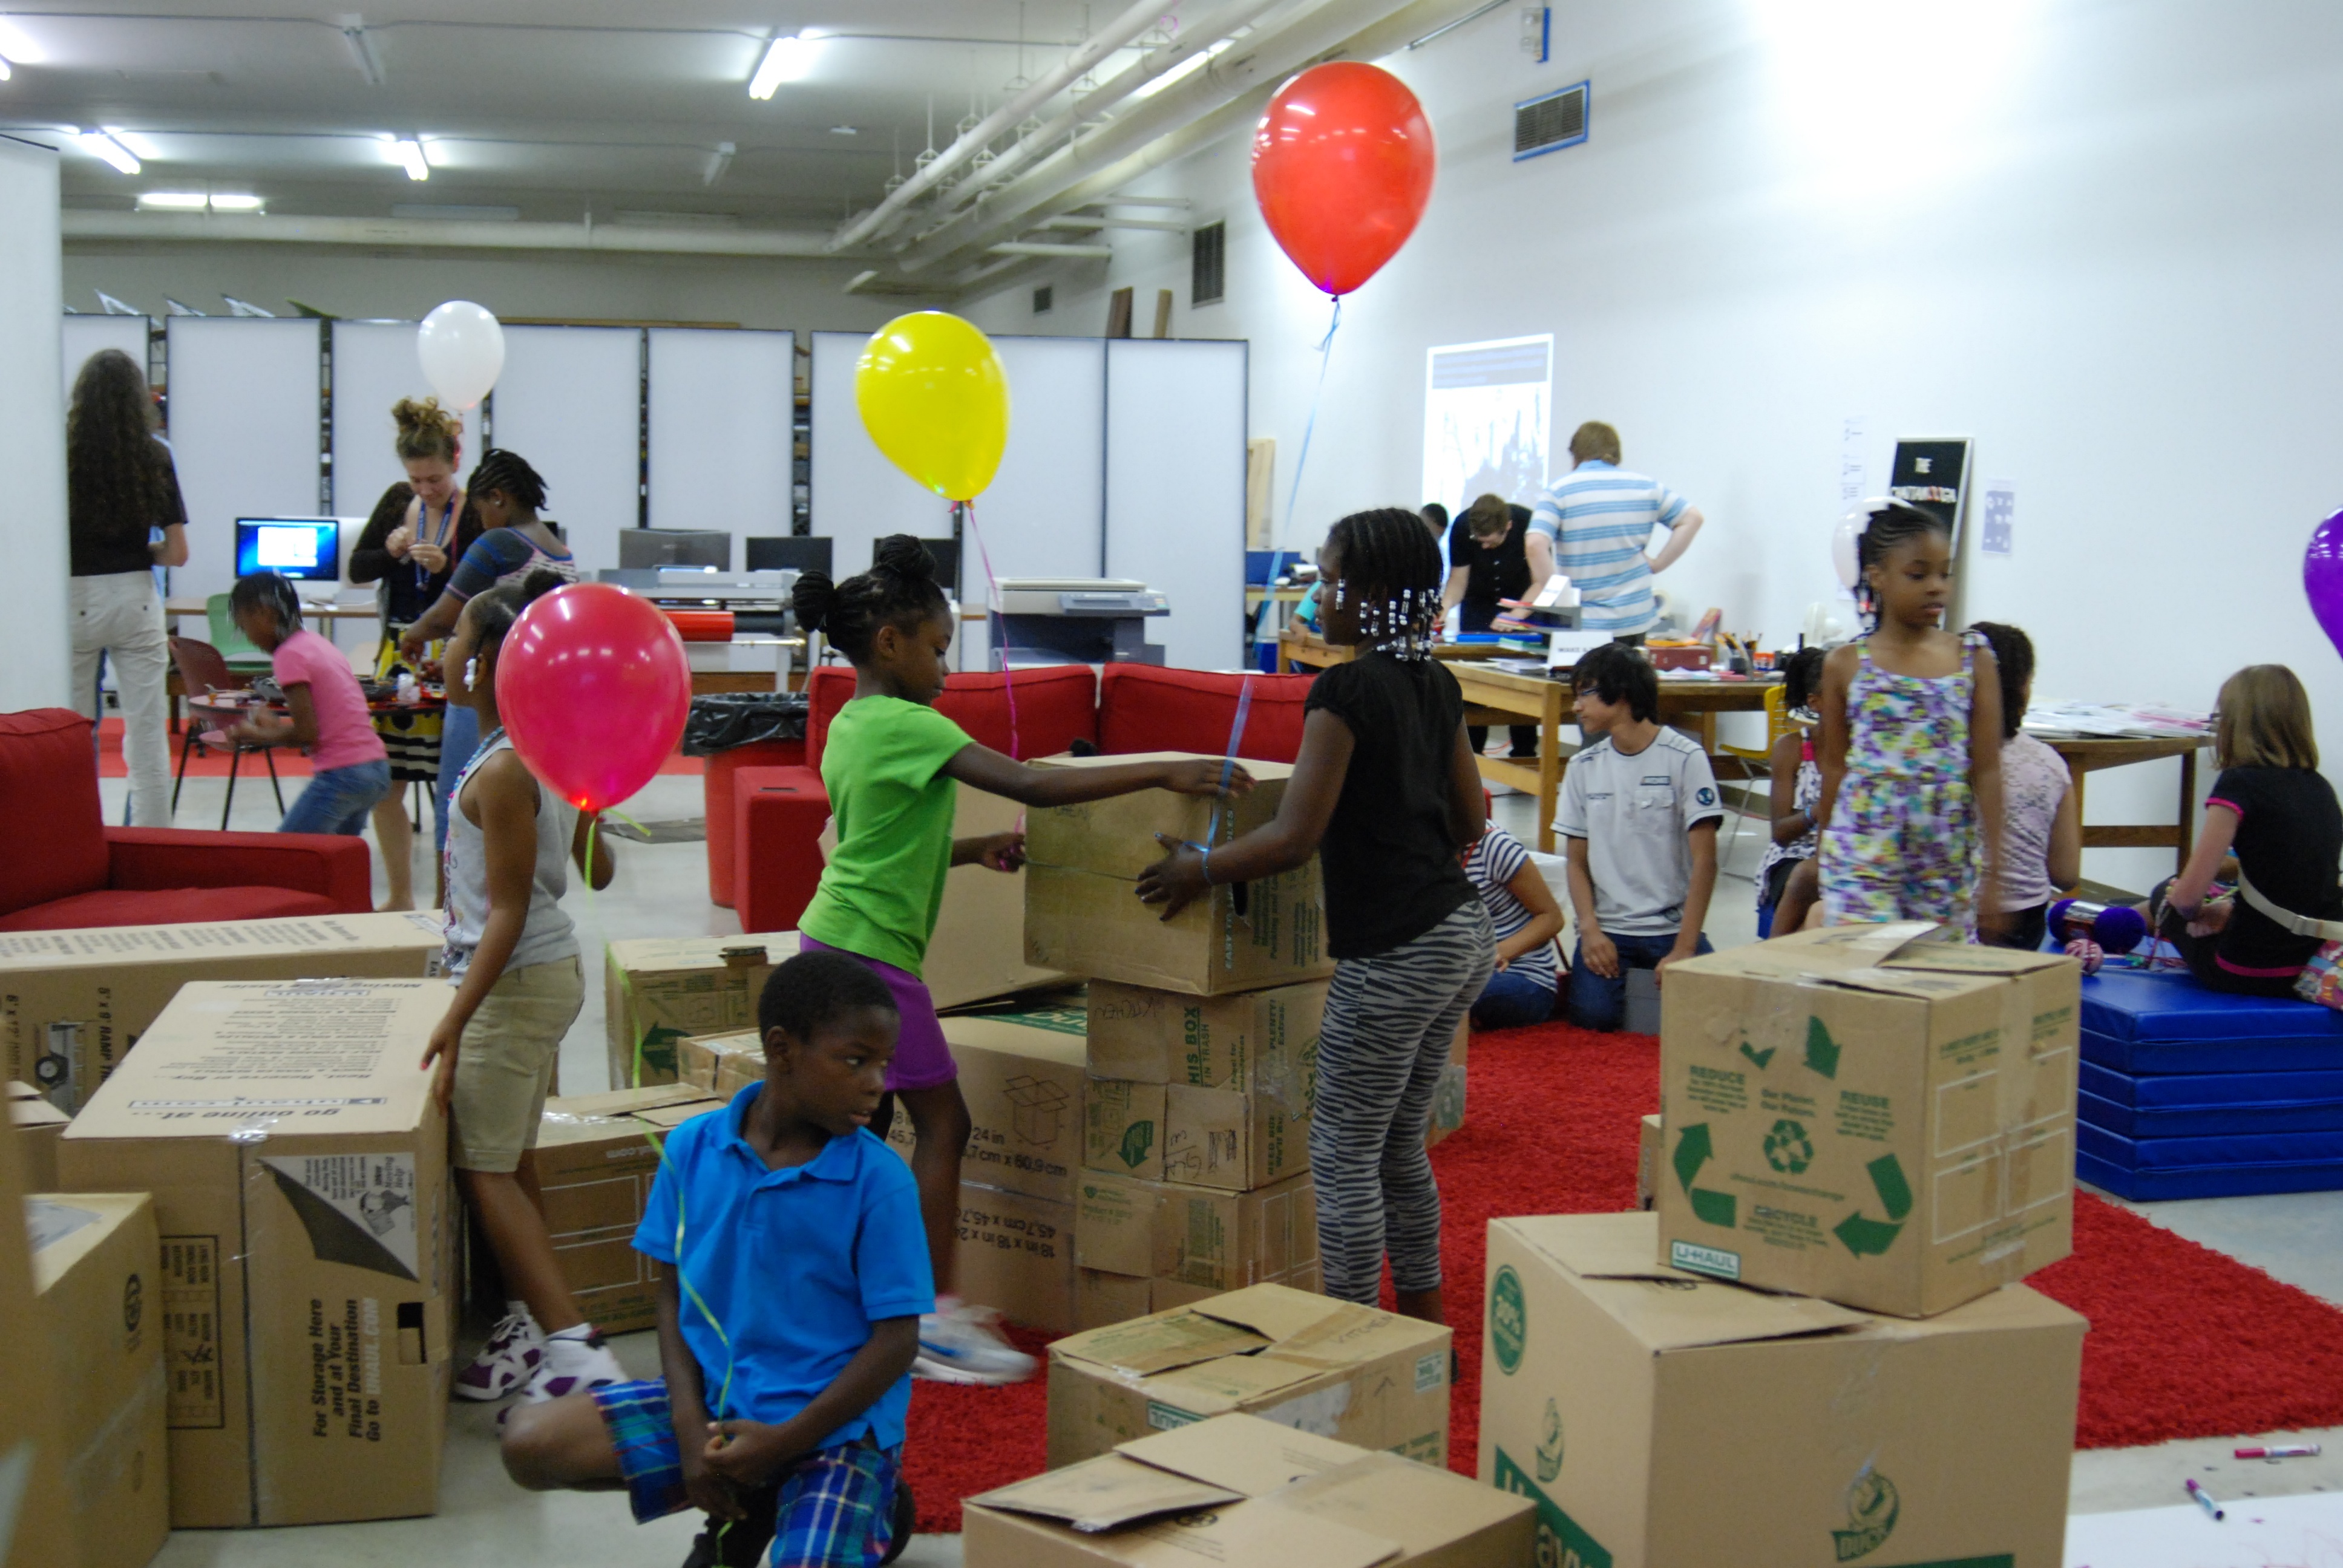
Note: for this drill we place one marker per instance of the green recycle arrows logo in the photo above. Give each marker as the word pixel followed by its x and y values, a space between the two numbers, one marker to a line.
pixel 1764 1059
pixel 1821 1051
pixel 1867 1236
pixel 1695 1149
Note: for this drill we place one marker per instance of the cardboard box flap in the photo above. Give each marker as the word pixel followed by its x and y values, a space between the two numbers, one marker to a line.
pixel 667 1117
pixel 1106 1493
pixel 622 1102
pixel 1961 958
pixel 731 1042
pixel 65 1229
pixel 1145 1346
pixel 1917 983
pixel 1248 1456
pixel 1229 1383
pixel 1418 1505
pixel 1664 1307
pixel 1281 1312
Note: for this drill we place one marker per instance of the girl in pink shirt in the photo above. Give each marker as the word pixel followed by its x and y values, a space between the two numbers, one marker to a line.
pixel 328 715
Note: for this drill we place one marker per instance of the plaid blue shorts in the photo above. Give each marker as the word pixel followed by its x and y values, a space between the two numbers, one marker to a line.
pixel 835 1507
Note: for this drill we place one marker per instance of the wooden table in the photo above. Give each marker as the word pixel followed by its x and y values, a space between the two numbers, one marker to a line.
pixel 1311 651
pixel 2089 756
pixel 1494 696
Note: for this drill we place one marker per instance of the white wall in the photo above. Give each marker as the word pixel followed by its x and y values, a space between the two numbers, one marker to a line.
pixel 2098 239
pixel 37 672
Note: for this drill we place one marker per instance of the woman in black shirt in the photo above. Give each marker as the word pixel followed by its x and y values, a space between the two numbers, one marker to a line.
pixel 1386 792
pixel 124 518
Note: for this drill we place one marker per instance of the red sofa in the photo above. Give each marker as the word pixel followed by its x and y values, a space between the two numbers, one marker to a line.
pixel 778 812
pixel 85 873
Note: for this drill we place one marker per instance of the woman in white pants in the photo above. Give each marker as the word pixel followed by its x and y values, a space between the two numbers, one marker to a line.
pixel 120 488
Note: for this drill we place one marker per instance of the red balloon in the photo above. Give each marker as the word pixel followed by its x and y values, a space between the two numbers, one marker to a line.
pixel 593 686
pixel 1341 166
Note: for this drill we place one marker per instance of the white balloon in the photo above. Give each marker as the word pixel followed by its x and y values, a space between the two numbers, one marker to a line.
pixel 462 348
pixel 1843 550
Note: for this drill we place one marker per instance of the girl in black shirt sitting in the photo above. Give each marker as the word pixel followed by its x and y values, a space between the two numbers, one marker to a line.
pixel 1387 787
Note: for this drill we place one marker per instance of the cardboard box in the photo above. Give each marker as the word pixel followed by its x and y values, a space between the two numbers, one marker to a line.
pixel 1021 1075
pixel 721 1064
pixel 1649 1142
pixel 41 1532
pixel 1244 1493
pixel 74 1003
pixel 1082 915
pixel 1331 1368
pixel 39 1125
pixel 299 1169
pixel 596 1156
pixel 94 1266
pixel 1199 1237
pixel 1448 1100
pixel 1884 1121
pixel 659 990
pixel 1103 1297
pixel 1215 1091
pixel 1017 1254
pixel 1659 1420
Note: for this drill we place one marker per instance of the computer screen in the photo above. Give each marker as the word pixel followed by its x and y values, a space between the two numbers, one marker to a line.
pixel 789 553
pixel 642 547
pixel 307 549
pixel 946 555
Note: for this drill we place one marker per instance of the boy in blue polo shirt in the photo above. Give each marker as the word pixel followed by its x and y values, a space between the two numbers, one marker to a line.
pixel 788 1315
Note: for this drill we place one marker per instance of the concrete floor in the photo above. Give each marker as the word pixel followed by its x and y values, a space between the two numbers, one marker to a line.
pixel 662 890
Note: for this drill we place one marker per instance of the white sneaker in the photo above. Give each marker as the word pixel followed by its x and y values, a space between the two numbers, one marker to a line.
pixel 573 1363
pixel 958 1343
pixel 507 1360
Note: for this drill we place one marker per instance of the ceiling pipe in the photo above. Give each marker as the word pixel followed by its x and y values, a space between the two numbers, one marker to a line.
pixel 1138 19
pixel 1154 64
pixel 1268 55
pixel 81 223
pixel 1041 248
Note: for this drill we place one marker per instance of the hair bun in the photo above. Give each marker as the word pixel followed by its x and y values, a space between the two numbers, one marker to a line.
pixel 902 556
pixel 812 596
pixel 539 582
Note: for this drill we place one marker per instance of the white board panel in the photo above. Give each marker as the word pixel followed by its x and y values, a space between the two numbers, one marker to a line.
pixel 87 334
pixel 1175 482
pixel 245 432
pixel 33 592
pixel 719 430
pixel 570 401
pixel 375 365
pixel 1045 512
pixel 858 496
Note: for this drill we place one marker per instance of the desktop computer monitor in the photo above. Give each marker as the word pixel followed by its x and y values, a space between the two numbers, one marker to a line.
pixel 639 548
pixel 946 553
pixel 789 553
pixel 307 549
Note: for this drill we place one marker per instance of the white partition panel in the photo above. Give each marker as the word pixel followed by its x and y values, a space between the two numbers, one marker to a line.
pixel 570 401
pixel 1175 489
pixel 87 334
pixel 33 592
pixel 858 496
pixel 375 365
pixel 244 432
pixel 721 403
pixel 1045 513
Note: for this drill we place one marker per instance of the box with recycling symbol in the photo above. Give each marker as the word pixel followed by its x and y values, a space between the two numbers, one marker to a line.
pixel 1869 1114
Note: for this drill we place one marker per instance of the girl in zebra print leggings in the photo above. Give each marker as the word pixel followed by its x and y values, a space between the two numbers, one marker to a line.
pixel 1386 791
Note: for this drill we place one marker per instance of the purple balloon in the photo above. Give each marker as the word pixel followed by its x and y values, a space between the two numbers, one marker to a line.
pixel 2322 578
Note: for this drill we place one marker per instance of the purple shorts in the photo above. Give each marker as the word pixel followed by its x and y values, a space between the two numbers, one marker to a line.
pixel 922 1059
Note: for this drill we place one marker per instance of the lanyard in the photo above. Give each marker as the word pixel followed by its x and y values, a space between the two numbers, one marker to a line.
pixel 440 538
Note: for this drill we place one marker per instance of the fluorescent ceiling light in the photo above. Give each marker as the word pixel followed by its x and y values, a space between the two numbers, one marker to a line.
pixel 4 72
pixel 408 151
pixel 224 202
pixel 363 51
pixel 101 144
pixel 175 201
pixel 19 48
pixel 789 58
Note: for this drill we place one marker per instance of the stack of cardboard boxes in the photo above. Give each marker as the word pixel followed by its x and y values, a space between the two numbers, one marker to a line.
pixel 1875 1131
pixel 1203 1051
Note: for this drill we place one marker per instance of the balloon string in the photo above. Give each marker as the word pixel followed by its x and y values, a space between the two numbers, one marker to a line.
pixel 1229 762
pixel 997 624
pixel 1300 461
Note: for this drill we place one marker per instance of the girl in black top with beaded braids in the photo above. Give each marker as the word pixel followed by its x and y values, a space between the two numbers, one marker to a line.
pixel 1385 791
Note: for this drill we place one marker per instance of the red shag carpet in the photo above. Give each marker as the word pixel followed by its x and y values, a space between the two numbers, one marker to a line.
pixel 2183 1342
pixel 212 762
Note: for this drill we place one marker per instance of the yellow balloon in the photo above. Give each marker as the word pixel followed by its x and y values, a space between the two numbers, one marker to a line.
pixel 935 398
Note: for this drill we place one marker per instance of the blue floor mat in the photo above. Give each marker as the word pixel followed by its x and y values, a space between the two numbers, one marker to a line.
pixel 2196 1090
pixel 2245 1054
pixel 2212 1121
pixel 2231 1149
pixel 2170 1005
pixel 2207 1180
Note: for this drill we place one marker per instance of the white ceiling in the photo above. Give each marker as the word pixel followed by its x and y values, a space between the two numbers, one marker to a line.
pixel 555 108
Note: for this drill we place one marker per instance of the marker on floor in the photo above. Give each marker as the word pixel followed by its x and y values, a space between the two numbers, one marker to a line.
pixel 2204 1499
pixel 2281 1450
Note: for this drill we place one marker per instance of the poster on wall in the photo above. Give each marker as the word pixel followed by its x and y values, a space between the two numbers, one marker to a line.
pixel 1932 474
pixel 2000 517
pixel 1487 408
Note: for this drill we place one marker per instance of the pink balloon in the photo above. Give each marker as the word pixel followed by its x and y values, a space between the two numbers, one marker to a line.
pixel 593 686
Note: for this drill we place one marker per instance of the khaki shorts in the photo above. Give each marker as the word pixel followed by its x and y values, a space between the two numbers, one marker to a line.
pixel 506 1066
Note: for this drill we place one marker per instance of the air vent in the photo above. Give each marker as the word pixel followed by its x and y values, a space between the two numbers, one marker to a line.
pixel 1557 119
pixel 1207 264
pixel 1043 298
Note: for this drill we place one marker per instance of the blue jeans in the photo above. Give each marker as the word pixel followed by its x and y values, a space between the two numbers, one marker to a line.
pixel 459 737
pixel 1601 1004
pixel 1513 998
pixel 339 799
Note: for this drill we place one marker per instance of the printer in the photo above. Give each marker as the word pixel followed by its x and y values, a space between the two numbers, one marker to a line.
pixel 1074 620
pixel 730 622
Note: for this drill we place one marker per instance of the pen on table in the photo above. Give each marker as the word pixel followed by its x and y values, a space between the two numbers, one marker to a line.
pixel 2281 1450
pixel 2204 1499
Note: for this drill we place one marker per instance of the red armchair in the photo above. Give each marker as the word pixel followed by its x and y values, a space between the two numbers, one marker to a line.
pixel 1055 707
pixel 1147 708
pixel 88 874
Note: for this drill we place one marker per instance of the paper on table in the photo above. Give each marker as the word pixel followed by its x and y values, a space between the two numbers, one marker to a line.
pixel 2306 1531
